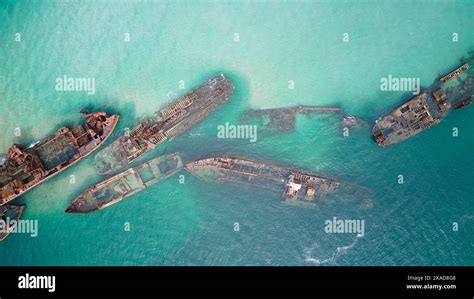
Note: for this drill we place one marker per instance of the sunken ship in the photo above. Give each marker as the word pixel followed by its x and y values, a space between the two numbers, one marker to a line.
pixel 298 187
pixel 125 184
pixel 168 123
pixel 451 92
pixel 25 168
pixel 9 214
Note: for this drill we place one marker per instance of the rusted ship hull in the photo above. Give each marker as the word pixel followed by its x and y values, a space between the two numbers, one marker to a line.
pixel 297 187
pixel 168 123
pixel 24 169
pixel 125 184
pixel 427 109
pixel 463 103
pixel 7 214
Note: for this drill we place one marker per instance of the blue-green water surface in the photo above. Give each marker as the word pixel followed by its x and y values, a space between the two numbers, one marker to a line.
pixel 261 46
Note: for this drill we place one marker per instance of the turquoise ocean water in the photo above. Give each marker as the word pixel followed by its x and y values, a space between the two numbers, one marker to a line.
pixel 278 41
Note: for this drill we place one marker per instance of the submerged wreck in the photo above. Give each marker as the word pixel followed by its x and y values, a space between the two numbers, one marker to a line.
pixel 25 168
pixel 352 121
pixel 429 108
pixel 282 119
pixel 298 187
pixel 9 214
pixel 168 123
pixel 125 184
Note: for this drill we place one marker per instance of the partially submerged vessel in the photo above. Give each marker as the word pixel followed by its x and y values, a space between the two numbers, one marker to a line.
pixel 25 168
pixel 9 216
pixel 282 119
pixel 462 104
pixel 428 108
pixel 298 187
pixel 352 121
pixel 125 184
pixel 168 123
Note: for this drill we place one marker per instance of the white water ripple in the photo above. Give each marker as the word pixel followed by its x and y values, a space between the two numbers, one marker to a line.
pixel 331 260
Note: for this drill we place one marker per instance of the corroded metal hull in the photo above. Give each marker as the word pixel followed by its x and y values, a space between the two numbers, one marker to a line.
pixel 26 168
pixel 125 184
pixel 168 123
pixel 297 187
pixel 427 109
pixel 9 213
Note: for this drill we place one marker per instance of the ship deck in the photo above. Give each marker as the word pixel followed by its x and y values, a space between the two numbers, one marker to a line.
pixel 57 151
pixel 438 100
pixel 47 159
pixel 126 183
pixel 168 123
